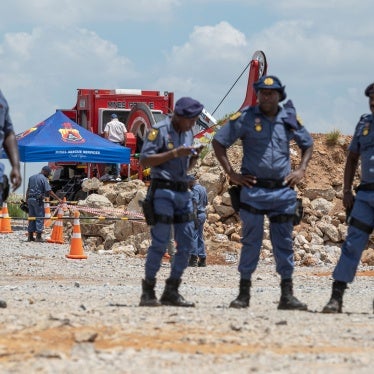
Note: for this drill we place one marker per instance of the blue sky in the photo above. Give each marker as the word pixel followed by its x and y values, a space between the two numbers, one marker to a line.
pixel 321 50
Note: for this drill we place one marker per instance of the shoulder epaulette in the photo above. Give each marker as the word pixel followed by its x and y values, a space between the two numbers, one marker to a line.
pixel 235 116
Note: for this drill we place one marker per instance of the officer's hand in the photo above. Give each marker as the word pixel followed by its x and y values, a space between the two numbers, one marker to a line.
pixel 294 178
pixel 15 178
pixel 185 151
pixel 242 180
pixel 348 200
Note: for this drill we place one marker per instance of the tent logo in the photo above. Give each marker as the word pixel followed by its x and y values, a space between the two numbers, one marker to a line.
pixel 70 135
pixel 25 133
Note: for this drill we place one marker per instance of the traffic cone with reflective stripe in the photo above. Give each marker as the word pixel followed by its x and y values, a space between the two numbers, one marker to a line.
pixel 57 235
pixel 65 205
pixel 5 226
pixel 76 244
pixel 47 214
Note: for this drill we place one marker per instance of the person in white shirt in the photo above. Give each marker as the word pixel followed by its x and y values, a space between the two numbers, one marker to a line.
pixel 115 131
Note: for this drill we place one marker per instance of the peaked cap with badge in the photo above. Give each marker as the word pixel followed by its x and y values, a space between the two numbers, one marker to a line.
pixel 188 108
pixel 270 82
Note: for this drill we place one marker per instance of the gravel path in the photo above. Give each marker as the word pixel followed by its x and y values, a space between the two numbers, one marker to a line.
pixel 69 316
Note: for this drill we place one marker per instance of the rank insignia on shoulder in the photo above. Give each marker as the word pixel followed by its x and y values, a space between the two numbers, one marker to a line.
pixel 299 120
pixel 235 116
pixel 152 135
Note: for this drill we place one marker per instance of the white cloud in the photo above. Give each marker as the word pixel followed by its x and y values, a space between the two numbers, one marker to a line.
pixel 72 12
pixel 50 63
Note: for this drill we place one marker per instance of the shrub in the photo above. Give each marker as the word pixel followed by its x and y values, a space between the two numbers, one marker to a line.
pixel 13 203
pixel 332 137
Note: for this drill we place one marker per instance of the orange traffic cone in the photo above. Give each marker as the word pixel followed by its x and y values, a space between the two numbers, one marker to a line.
pixel 64 205
pixel 5 227
pixel 76 244
pixel 47 214
pixel 57 235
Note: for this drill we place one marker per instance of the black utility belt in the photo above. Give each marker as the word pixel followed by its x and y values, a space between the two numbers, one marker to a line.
pixel 270 183
pixel 365 187
pixel 168 185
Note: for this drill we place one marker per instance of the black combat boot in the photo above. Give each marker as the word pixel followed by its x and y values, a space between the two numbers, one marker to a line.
pixel 202 262
pixel 288 301
pixel 31 237
pixel 171 295
pixel 39 237
pixel 242 301
pixel 148 297
pixel 193 261
pixel 336 301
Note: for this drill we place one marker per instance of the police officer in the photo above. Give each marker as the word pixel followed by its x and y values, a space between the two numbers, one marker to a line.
pixel 169 152
pixel 361 218
pixel 266 182
pixel 38 188
pixel 9 143
pixel 200 201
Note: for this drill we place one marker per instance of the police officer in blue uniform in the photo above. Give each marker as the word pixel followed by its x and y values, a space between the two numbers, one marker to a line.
pixel 200 201
pixel 361 208
pixel 266 181
pixel 9 143
pixel 38 188
pixel 168 150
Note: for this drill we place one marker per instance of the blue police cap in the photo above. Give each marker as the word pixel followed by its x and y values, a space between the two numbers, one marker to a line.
pixel 114 115
pixel 188 107
pixel 270 82
pixel 369 89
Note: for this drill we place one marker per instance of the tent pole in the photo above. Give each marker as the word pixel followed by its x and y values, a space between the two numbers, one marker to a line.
pixel 24 182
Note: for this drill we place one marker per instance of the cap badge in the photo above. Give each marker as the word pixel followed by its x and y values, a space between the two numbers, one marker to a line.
pixel 269 81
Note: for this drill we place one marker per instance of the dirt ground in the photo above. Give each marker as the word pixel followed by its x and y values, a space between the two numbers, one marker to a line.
pixel 65 316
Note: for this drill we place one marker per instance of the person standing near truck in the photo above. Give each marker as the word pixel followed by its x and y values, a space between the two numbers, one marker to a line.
pixel 168 150
pixel 38 188
pixel 115 131
pixel 9 143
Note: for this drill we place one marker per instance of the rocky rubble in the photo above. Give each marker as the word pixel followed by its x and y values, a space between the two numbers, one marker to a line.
pixel 317 239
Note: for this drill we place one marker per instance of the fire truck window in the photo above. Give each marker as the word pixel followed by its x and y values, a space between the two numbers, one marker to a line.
pixel 83 120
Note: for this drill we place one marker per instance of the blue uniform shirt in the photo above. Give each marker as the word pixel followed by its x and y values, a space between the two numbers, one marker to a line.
pixel 266 150
pixel 6 125
pixel 161 138
pixel 363 143
pixel 38 186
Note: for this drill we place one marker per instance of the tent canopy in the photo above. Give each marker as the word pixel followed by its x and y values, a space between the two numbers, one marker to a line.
pixel 59 139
